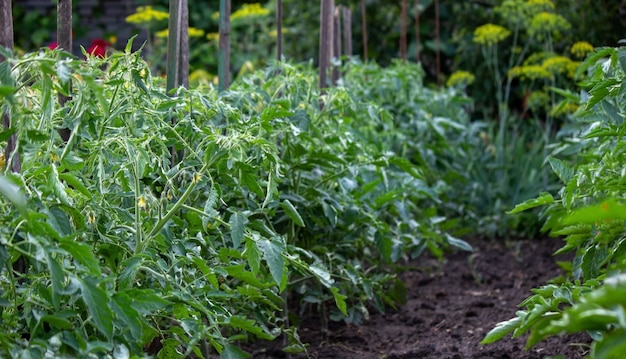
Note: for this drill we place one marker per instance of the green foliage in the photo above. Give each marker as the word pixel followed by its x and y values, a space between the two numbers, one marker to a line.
pixel 109 247
pixel 589 213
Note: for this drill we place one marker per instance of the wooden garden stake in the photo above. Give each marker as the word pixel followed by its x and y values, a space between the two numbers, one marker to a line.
pixel 279 30
pixel 183 66
pixel 417 31
pixel 364 28
pixel 326 40
pixel 438 43
pixel 223 67
pixel 347 31
pixel 336 53
pixel 173 45
pixel 403 22
pixel 11 154
pixel 64 41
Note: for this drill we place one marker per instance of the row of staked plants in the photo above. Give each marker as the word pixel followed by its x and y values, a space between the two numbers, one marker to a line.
pixel 589 212
pixel 188 223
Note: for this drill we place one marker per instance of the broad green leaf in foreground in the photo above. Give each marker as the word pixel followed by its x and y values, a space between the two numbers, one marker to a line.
pixel 608 210
pixel 501 329
pixel 97 304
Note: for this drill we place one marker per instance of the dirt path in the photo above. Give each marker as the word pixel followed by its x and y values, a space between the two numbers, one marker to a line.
pixel 450 308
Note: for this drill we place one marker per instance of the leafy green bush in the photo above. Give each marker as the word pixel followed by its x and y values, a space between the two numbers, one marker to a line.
pixel 275 193
pixel 589 213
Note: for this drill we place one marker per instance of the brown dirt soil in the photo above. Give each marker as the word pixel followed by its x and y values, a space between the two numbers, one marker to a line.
pixel 450 307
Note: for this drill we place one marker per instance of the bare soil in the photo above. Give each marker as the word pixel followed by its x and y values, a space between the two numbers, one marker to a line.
pixel 450 307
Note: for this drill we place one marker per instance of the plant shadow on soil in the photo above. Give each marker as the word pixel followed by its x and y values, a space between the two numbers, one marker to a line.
pixel 450 307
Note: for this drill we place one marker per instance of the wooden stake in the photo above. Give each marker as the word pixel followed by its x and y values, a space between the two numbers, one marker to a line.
pixel 326 41
pixel 223 68
pixel 11 154
pixel 364 28
pixel 438 43
pixel 417 31
pixel 64 41
pixel 403 25
pixel 183 66
pixel 279 30
pixel 347 31
pixel 336 53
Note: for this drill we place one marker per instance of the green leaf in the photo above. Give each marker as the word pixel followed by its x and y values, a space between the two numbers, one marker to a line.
pixel 97 303
pixel 543 199
pixel 608 210
pixel 501 329
pixel 592 261
pixel 238 222
pixel 139 81
pixel 7 90
pixel 253 255
pixel 127 275
pixel 83 254
pixel 76 183
pixel 146 301
pixel 458 243
pixel 56 274
pixel 273 255
pixel 123 307
pixel 233 352
pixel 291 211
pixel 564 171
pixel 340 300
pixel 57 186
pixel 12 192
pixel 59 221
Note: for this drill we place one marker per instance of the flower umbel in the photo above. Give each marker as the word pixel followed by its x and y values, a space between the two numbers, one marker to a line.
pixel 460 79
pixel 249 10
pixel 490 34
pixel 145 15
pixel 580 49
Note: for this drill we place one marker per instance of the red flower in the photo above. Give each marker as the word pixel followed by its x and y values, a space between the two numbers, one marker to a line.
pixel 53 45
pixel 98 48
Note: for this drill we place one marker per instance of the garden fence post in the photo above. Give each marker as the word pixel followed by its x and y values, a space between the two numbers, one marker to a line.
pixel 347 31
pixel 336 54
pixel 326 41
pixel 64 42
pixel 11 153
pixel 279 30
pixel 223 68
pixel 417 31
pixel 173 45
pixel 403 26
pixel 438 43
pixel 183 75
pixel 364 29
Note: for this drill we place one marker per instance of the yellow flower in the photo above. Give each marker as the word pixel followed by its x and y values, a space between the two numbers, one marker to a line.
pixel 196 178
pixel 212 36
pixel 192 32
pixel 580 49
pixel 112 39
pixel 461 79
pixel 547 23
pixel 249 11
pixel 91 218
pixel 142 203
pixel 1 160
pixel 530 72
pixel 145 15
pixel 557 64
pixel 490 34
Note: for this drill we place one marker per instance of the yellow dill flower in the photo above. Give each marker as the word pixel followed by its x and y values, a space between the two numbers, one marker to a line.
pixel 547 23
pixel 460 79
pixel 213 36
pixel 249 11
pixel 540 5
pixel 145 15
pixel 536 58
pixel 192 32
pixel 580 49
pixel 530 72
pixel 557 64
pixel 490 34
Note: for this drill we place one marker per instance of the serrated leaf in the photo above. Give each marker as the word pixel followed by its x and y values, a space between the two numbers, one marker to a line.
pixel 592 261
pixel 83 254
pixel 253 255
pixel 127 275
pixel 12 192
pixel 562 169
pixel 97 303
pixel 76 183
pixel 238 223
pixel 273 255
pixel 127 314
pixel 57 186
pixel 543 199
pixel 292 212
pixel 146 301
pixel 501 329
pixel 59 221
pixel 209 208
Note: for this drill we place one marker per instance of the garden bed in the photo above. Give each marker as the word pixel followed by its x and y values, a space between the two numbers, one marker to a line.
pixel 446 316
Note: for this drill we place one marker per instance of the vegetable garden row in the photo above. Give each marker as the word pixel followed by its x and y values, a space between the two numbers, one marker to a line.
pixel 183 223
